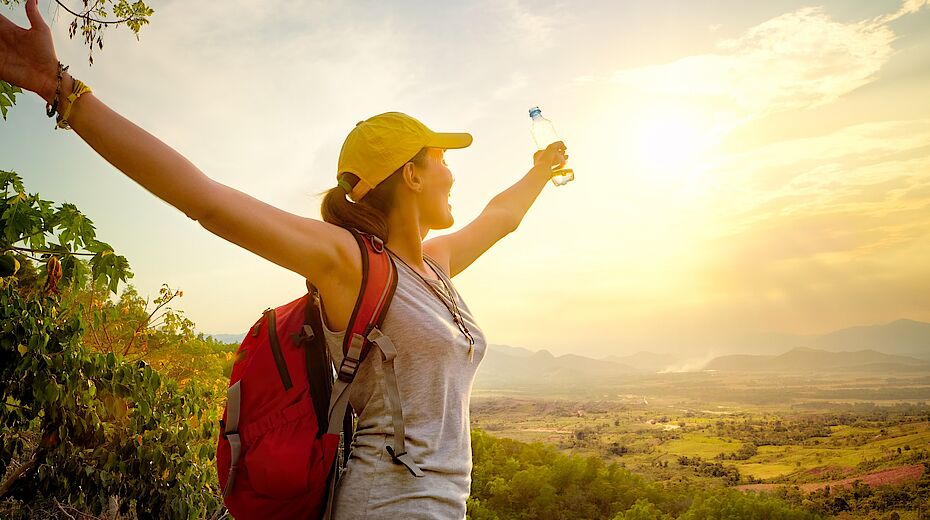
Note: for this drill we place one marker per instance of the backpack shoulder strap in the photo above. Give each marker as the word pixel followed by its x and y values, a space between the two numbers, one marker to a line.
pixel 379 281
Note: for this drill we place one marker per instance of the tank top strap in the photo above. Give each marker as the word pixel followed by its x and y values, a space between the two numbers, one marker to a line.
pixel 444 281
pixel 438 268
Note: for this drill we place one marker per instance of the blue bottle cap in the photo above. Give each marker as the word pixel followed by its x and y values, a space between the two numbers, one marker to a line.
pixel 535 111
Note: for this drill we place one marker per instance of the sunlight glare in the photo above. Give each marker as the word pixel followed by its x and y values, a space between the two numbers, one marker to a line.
pixel 671 145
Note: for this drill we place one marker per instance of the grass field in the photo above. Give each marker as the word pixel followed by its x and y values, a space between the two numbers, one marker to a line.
pixel 699 444
pixel 648 433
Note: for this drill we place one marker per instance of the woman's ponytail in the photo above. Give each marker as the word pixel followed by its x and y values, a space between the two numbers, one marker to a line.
pixel 370 214
pixel 339 210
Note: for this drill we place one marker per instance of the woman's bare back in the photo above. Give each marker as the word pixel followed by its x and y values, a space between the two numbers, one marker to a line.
pixel 339 287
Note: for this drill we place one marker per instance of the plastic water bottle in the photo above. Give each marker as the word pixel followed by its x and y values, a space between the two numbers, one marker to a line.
pixel 544 135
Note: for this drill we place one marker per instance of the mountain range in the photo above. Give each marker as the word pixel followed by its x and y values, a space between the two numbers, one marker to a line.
pixel 507 367
pixel 901 337
pixel 899 347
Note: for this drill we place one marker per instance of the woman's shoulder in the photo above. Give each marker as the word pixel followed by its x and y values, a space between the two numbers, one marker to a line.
pixel 339 285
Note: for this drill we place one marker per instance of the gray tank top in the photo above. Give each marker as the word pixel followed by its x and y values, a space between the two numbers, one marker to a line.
pixel 434 377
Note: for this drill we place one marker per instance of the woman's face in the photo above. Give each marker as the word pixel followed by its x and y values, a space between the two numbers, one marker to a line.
pixel 435 209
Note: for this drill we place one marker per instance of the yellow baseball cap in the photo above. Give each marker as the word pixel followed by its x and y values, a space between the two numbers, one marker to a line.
pixel 378 146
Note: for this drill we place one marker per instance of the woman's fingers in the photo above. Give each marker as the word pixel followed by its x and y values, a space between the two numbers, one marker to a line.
pixel 27 56
pixel 559 157
pixel 35 17
pixel 553 156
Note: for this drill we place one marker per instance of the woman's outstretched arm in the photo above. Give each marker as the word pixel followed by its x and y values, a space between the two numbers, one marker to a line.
pixel 303 245
pixel 499 218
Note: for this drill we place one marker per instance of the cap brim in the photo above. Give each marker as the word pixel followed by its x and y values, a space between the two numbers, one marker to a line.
pixel 449 140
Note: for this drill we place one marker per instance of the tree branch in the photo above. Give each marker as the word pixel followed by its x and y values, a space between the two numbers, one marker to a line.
pixel 48 251
pixel 86 15
pixel 107 334
pixel 18 472
pixel 57 503
pixel 145 322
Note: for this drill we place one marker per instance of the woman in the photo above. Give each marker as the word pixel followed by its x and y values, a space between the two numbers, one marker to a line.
pixel 392 168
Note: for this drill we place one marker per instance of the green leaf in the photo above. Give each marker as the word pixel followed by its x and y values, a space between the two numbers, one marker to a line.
pixel 7 96
pixel 52 392
pixel 76 227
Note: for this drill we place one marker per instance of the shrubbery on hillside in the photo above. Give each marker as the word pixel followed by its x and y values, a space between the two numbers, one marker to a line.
pixel 513 480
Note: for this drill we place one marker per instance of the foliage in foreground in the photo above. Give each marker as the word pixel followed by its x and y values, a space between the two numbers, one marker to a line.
pixel 78 427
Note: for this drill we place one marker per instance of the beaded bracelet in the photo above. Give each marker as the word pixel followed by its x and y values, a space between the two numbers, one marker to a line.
pixel 51 108
pixel 78 90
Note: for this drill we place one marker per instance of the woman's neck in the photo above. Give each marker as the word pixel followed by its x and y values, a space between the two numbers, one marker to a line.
pixel 406 241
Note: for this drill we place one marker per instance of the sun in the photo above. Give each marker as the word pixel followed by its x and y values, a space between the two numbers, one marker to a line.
pixel 671 146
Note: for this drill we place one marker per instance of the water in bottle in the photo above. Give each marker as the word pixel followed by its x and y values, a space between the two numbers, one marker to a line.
pixel 544 135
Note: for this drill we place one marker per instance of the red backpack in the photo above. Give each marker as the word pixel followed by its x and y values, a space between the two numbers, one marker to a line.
pixel 280 433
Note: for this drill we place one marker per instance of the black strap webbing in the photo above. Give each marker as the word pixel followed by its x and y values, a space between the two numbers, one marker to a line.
pixel 276 351
pixel 319 365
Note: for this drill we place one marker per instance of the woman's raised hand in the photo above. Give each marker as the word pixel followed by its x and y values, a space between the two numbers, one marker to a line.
pixel 27 56
pixel 552 157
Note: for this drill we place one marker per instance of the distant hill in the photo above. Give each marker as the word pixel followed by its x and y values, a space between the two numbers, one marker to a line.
pixel 509 367
pixel 902 337
pixel 646 361
pixel 803 359
pixel 511 351
pixel 228 338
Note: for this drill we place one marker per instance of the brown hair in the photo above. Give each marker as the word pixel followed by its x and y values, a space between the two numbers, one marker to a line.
pixel 369 215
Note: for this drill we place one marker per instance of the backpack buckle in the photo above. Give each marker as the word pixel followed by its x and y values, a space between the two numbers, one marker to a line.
pixel 306 333
pixel 347 369
pixel 377 244
pixel 352 358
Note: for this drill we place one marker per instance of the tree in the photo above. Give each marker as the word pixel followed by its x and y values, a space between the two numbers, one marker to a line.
pixel 92 19
pixel 78 427
pixel 642 510
pixel 734 504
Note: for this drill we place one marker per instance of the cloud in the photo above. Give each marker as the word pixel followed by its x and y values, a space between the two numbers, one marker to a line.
pixel 530 28
pixel 908 7
pixel 849 170
pixel 798 60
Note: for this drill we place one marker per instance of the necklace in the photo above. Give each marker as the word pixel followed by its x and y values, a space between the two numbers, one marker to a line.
pixel 453 309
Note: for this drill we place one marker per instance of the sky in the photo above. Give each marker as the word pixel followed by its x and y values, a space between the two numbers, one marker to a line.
pixel 742 168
